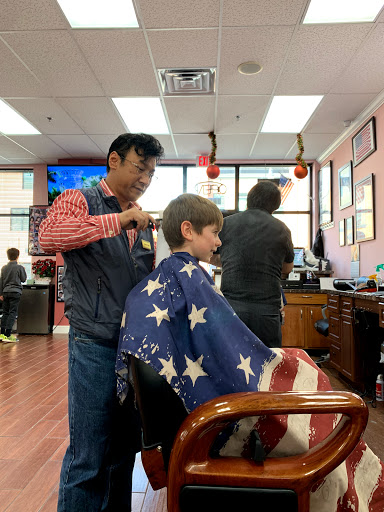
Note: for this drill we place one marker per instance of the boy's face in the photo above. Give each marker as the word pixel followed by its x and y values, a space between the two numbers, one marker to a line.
pixel 205 244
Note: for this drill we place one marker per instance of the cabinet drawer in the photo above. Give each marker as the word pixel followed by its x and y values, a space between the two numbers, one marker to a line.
pixel 333 303
pixel 306 298
pixel 346 306
pixel 334 326
pixel 335 355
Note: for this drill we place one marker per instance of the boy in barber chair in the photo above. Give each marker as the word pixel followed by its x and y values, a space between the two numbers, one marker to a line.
pixel 179 323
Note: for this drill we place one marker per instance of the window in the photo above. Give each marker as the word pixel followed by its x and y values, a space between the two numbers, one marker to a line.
pixel 223 191
pixel 167 186
pixel 16 192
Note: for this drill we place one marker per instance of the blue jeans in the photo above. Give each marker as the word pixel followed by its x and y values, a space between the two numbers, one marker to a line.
pixel 96 474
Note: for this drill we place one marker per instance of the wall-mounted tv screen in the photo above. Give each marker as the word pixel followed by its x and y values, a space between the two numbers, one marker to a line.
pixel 62 177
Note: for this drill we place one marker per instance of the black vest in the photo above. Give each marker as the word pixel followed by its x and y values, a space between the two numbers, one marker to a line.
pixel 98 277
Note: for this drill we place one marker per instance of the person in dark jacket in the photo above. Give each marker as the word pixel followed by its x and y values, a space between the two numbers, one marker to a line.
pixel 256 249
pixel 12 275
pixel 108 247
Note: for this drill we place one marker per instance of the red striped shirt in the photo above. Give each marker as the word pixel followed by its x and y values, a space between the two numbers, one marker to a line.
pixel 68 224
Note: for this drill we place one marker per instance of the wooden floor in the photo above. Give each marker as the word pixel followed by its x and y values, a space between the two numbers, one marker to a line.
pixel 34 430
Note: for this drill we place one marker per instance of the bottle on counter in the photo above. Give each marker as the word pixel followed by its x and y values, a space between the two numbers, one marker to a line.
pixel 380 388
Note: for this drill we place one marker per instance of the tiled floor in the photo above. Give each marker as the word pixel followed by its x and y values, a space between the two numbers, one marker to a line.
pixel 34 432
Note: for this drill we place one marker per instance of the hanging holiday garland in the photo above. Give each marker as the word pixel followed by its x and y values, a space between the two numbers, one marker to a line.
pixel 213 170
pixel 301 169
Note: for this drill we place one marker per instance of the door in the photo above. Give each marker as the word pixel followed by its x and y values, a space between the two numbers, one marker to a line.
pixel 294 326
pixel 313 339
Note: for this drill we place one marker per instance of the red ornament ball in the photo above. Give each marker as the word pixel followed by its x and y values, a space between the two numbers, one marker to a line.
pixel 300 172
pixel 213 171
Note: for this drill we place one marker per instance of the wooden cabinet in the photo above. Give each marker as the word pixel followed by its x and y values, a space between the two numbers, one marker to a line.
pixel 343 344
pixel 301 313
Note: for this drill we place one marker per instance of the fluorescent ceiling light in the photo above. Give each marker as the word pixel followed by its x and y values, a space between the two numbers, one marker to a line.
pixel 342 11
pixel 142 115
pixel 12 123
pixel 99 14
pixel 288 114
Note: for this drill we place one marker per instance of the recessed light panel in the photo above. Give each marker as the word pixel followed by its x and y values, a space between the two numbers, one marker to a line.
pixel 343 11
pixel 12 123
pixel 97 14
pixel 142 115
pixel 289 114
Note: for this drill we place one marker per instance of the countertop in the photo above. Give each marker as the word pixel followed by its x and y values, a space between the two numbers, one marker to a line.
pixel 360 295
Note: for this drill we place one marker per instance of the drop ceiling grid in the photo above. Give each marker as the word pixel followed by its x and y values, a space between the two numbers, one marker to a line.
pixel 328 48
pixel 17 80
pixel 180 14
pixel 40 145
pixel 335 109
pixel 365 74
pixel 243 13
pixel 197 113
pixel 36 110
pixel 93 115
pixel 313 144
pixel 235 146
pixel 9 149
pixel 80 146
pixel 266 45
pixel 272 146
pixel 250 109
pixel 120 61
pixel 57 61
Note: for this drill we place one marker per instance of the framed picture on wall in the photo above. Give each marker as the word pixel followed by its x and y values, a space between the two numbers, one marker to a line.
pixel 325 195
pixel 59 284
pixel 364 142
pixel 36 216
pixel 349 230
pixel 364 210
pixel 345 186
pixel 341 232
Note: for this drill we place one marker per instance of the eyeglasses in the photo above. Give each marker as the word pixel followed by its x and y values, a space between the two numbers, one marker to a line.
pixel 141 172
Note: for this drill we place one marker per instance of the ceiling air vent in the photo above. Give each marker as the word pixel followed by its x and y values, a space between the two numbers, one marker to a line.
pixel 177 82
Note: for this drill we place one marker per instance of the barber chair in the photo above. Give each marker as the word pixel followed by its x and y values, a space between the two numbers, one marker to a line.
pixel 176 450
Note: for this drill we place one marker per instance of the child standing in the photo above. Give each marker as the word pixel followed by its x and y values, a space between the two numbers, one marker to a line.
pixel 12 275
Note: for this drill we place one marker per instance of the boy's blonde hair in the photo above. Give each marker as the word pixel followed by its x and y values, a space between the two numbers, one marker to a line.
pixel 199 211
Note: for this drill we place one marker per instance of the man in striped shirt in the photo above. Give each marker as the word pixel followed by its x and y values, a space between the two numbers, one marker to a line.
pixel 108 247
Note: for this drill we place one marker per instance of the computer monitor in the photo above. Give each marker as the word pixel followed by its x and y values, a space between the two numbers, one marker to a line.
pixel 299 257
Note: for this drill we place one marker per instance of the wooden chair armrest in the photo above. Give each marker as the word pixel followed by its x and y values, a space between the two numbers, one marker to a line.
pixel 191 463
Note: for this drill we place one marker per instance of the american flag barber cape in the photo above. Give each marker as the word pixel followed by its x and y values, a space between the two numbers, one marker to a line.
pixel 178 322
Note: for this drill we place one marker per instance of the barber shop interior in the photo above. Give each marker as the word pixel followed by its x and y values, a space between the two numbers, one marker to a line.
pixel 192 255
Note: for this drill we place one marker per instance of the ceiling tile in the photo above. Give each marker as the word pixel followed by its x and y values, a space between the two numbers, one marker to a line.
pixel 335 109
pixel 104 141
pixel 314 145
pixel 197 117
pixel 365 73
pixel 234 146
pixel 15 78
pixel 27 161
pixel 78 146
pixel 249 109
pixel 9 149
pixel 93 115
pixel 318 56
pixel 184 48
pixel 38 110
pixel 273 145
pixel 191 145
pixel 27 15
pixel 120 60
pixel 266 46
pixel 40 145
pixel 4 161
pixel 180 14
pixel 261 12
pixel 169 148
pixel 56 60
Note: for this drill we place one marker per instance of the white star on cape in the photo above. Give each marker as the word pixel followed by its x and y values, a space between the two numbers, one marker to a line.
pixel 168 369
pixel 245 365
pixel 194 369
pixel 152 286
pixel 123 319
pixel 159 314
pixel 196 316
pixel 217 290
pixel 189 268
